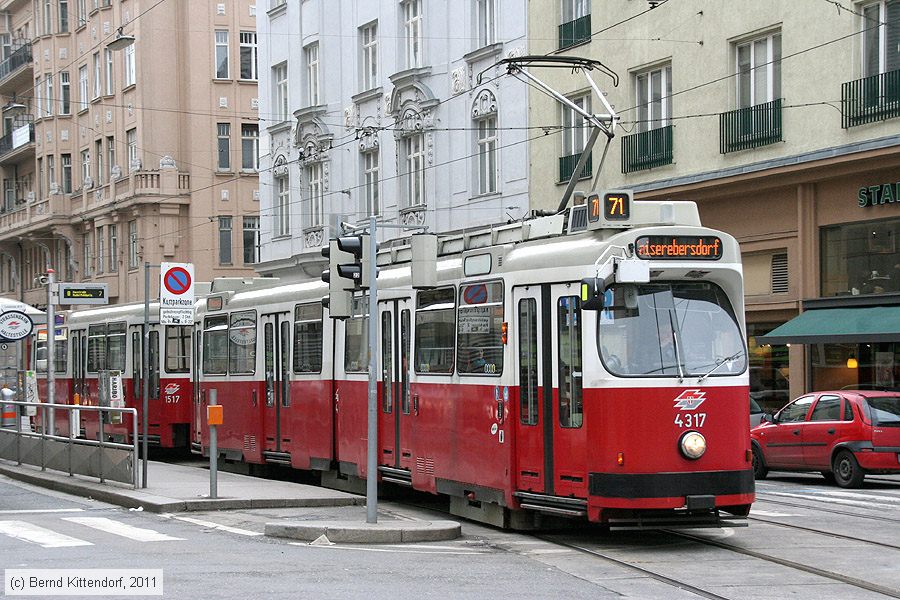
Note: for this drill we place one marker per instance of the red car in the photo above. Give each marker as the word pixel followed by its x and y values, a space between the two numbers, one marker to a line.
pixel 843 434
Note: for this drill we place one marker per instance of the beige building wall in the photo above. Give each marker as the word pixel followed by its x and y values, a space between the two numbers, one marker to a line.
pixel 147 174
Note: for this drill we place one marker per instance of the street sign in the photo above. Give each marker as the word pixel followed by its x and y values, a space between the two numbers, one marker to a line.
pixel 83 293
pixel 176 294
pixel 15 325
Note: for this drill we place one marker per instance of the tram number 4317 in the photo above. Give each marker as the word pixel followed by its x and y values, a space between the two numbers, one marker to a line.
pixel 690 419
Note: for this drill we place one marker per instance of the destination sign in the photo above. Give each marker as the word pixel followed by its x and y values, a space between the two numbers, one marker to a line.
pixel 679 247
pixel 83 293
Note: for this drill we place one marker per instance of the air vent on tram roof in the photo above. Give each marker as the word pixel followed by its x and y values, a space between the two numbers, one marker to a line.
pixel 780 273
pixel 578 218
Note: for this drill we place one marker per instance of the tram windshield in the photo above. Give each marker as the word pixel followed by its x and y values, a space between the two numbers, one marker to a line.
pixel 670 329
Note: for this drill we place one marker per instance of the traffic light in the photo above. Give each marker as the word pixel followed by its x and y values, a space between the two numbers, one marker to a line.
pixel 340 290
pixel 356 270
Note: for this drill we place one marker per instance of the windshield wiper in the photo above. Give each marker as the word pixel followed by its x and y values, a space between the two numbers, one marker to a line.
pixel 719 364
pixel 677 346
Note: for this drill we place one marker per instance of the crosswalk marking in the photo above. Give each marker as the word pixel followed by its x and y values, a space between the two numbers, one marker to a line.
pixel 122 529
pixel 211 525
pixel 34 511
pixel 38 535
pixel 835 500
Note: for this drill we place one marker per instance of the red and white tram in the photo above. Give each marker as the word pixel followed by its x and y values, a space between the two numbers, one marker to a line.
pixel 503 387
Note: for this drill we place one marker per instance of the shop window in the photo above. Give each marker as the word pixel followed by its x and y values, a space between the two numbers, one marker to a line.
pixel 769 372
pixel 874 366
pixel 860 258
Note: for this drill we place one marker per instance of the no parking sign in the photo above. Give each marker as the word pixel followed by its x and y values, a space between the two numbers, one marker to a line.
pixel 176 294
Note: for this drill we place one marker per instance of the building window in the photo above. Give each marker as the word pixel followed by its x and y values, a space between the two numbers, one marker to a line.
pixel 249 147
pixel 51 174
pixel 368 39
pixel 110 155
pixel 63 16
pixel 109 72
pixel 131 142
pixel 66 173
pixel 248 55
pixel 221 55
pixel 487 154
pixel 575 26
pixel 113 247
pixel 224 240
pixel 881 52
pixel 39 99
pixel 282 206
pixel 133 257
pixel 574 138
pixel 87 242
pixel 251 240
pixel 98 152
pixel 101 250
pixel 97 75
pixel 224 146
pixel 40 178
pixel 65 106
pixel 312 74
pixel 48 18
pixel 485 13
pixel 370 183
pixel 83 89
pixel 85 168
pixel 280 79
pixel 412 27
pixel 82 13
pixel 413 173
pixel 316 194
pixel 861 258
pixel 758 64
pixel 130 78
pixel 653 90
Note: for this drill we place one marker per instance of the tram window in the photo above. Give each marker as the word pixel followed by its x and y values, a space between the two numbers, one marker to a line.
pixel 96 350
pixel 178 348
pixel 356 345
pixel 115 346
pixel 571 412
pixel 137 367
pixel 435 330
pixel 215 345
pixel 242 343
pixel 308 338
pixel 154 364
pixel 387 363
pixel 285 366
pixel 60 358
pixel 528 367
pixel 404 360
pixel 480 328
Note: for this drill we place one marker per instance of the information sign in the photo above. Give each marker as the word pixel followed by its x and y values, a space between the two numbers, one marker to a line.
pixel 176 294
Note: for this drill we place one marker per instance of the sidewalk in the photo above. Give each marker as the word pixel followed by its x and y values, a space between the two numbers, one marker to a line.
pixel 178 488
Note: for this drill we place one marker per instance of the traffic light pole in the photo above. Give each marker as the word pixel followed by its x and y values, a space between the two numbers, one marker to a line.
pixel 372 462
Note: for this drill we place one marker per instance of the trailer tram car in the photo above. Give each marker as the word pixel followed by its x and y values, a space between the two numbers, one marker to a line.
pixel 110 338
pixel 584 365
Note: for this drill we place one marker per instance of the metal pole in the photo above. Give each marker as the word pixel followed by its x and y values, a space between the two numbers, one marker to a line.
pixel 372 462
pixel 51 349
pixel 213 450
pixel 145 357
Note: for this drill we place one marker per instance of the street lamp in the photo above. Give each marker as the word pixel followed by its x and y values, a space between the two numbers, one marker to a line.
pixel 121 42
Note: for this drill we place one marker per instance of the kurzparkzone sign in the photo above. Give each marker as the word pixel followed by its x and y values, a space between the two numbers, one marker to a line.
pixel 176 294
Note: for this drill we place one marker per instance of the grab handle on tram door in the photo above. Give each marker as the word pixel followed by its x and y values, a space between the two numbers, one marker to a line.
pixel 416 404
pixel 500 411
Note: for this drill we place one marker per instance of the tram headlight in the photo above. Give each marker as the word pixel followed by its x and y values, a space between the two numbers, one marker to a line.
pixel 692 444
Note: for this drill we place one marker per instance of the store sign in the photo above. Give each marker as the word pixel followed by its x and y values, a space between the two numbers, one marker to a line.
pixel 874 195
pixel 677 247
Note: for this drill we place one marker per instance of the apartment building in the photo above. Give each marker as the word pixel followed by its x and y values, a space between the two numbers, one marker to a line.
pixel 130 136
pixel 782 120
pixel 392 108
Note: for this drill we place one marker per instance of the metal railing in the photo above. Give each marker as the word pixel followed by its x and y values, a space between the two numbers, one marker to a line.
pixel 870 99
pixel 12 141
pixel 575 32
pixel 750 127
pixel 20 57
pixel 646 150
pixel 567 166
pixel 43 449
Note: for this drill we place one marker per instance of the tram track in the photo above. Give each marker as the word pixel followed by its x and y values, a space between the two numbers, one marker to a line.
pixel 833 511
pixel 832 534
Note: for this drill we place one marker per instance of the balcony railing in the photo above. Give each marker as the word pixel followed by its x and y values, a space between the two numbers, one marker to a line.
pixel 18 58
pixel 16 139
pixel 647 150
pixel 750 127
pixel 875 98
pixel 575 32
pixel 567 167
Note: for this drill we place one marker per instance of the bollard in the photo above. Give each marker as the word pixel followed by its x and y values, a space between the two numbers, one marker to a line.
pixel 213 419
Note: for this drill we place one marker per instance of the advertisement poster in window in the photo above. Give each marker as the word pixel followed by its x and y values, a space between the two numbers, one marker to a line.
pixel 884 369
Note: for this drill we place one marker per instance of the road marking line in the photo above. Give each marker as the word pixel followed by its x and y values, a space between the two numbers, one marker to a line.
pixel 122 529
pixel 38 535
pixel 34 511
pixel 211 525
pixel 765 513
pixel 396 551
pixel 833 500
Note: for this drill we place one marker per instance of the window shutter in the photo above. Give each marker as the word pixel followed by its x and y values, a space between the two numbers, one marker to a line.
pixel 779 273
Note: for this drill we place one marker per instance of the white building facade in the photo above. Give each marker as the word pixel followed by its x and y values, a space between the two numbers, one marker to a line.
pixel 393 108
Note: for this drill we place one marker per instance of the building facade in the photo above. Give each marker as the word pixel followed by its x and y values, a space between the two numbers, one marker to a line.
pixel 115 153
pixel 390 108
pixel 782 121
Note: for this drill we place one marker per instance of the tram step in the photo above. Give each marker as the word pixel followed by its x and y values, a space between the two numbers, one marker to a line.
pixel 398 476
pixel 555 505
pixel 278 458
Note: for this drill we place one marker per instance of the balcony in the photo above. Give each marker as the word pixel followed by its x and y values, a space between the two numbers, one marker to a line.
pixel 870 99
pixel 750 127
pixel 575 32
pixel 18 144
pixel 567 167
pixel 647 150
pixel 13 75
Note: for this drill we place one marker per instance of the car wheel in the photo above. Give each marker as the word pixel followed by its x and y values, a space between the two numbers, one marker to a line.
pixel 759 465
pixel 847 472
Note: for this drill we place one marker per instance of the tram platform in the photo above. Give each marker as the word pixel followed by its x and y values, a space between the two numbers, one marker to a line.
pixel 173 488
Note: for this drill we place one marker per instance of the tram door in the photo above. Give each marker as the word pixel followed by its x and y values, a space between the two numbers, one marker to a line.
pixel 395 417
pixel 550 445
pixel 79 363
pixel 276 368
pixel 196 428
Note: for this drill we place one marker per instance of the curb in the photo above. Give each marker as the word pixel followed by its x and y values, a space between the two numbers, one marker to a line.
pixel 366 533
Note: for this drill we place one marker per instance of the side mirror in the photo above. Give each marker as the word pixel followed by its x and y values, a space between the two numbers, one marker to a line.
pixel 592 293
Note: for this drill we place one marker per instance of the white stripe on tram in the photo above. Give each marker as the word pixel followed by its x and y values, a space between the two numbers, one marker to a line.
pixel 27 532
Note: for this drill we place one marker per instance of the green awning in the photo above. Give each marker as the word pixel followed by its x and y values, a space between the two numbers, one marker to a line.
pixel 836 325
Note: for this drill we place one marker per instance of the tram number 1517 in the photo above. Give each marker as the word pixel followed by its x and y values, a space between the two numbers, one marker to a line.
pixel 690 420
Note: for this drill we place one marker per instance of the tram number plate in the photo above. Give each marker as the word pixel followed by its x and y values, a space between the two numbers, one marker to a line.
pixel 690 419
